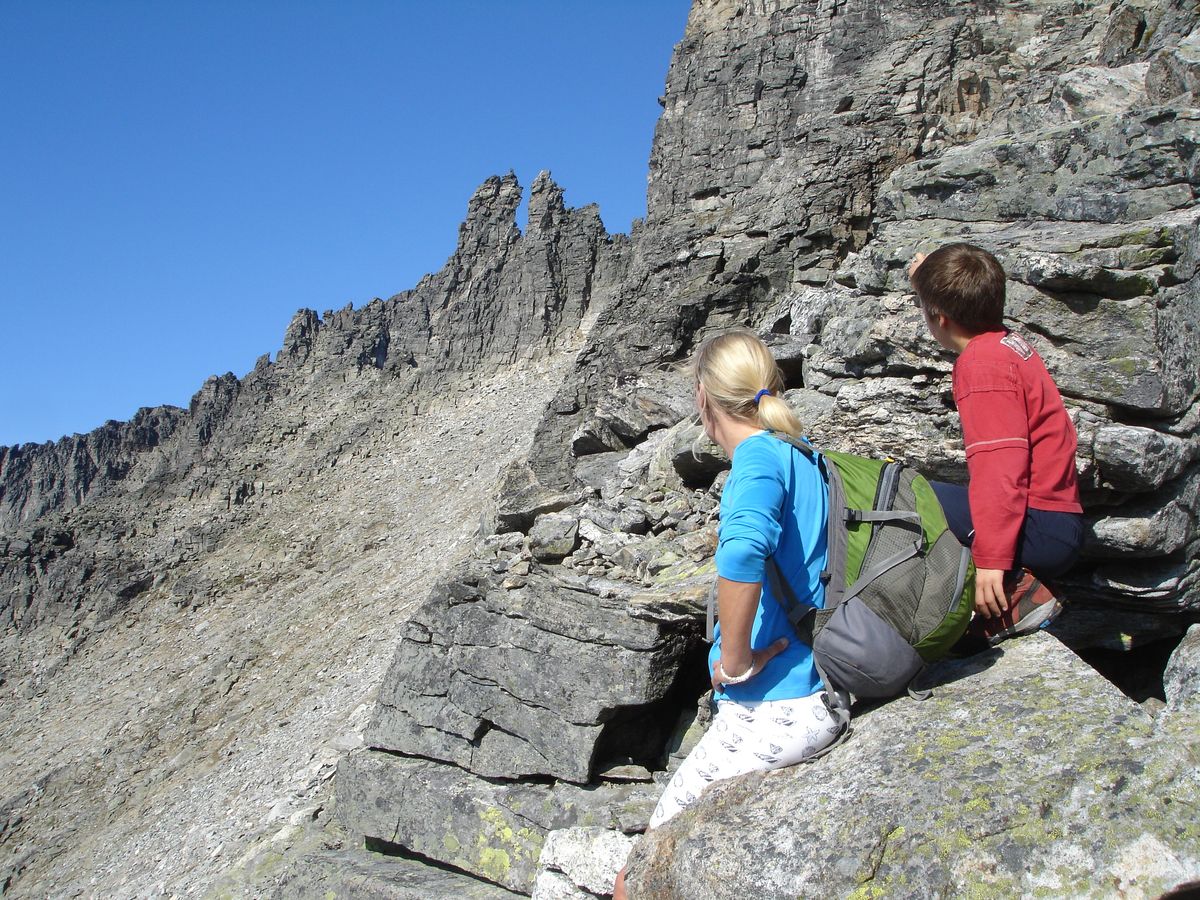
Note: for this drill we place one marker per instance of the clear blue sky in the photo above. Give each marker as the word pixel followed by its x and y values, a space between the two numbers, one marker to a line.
pixel 180 177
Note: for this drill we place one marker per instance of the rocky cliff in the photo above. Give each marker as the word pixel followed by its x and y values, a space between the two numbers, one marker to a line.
pixel 806 151
pixel 195 603
pixel 267 549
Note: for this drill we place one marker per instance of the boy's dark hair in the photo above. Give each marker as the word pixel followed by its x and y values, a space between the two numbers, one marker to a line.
pixel 965 283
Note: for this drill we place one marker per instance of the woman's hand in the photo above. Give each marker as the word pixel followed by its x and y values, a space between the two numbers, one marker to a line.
pixel 758 661
pixel 990 600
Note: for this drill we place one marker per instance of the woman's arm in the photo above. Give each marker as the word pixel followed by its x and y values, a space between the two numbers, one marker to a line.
pixel 737 603
pixel 751 514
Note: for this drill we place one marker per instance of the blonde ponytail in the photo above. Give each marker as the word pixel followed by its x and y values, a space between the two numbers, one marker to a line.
pixel 775 415
pixel 740 376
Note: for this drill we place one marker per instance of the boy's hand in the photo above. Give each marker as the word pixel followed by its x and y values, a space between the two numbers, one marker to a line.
pixel 990 600
pixel 915 264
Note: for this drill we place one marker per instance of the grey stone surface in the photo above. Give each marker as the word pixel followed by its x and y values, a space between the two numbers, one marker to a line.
pixel 553 536
pixel 1131 458
pixel 1153 530
pixel 1113 325
pixel 1175 71
pixel 1122 168
pixel 580 862
pixel 1152 585
pixel 652 400
pixel 1181 681
pixel 1026 772
pixel 690 455
pixel 494 829
pixel 521 498
pixel 521 682
pixel 356 875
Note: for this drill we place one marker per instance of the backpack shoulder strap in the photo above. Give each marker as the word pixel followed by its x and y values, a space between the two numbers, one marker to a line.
pixel 836 536
pixel 802 616
pixel 803 446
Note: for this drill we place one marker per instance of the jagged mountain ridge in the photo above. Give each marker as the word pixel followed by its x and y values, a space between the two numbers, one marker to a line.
pixel 159 561
pixel 501 297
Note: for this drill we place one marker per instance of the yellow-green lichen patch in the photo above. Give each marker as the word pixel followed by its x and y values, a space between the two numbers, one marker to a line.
pixel 494 863
pixel 681 570
pixel 870 891
pixel 501 847
pixel 1144 257
pixel 952 841
pixel 1126 366
pixel 979 805
pixel 952 742
pixel 988 890
pixel 451 843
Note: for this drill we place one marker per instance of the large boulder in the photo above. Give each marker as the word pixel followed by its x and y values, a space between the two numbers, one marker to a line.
pixel 520 704
pixel 1026 773
pixel 524 677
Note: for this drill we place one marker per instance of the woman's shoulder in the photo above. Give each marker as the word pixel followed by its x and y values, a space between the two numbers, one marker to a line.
pixel 764 455
pixel 759 449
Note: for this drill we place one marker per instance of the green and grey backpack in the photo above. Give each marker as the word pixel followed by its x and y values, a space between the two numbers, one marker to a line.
pixel 899 587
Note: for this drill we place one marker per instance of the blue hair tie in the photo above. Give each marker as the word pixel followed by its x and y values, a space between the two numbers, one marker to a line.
pixel 759 395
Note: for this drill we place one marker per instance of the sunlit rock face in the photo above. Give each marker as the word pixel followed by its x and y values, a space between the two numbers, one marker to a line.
pixel 1026 772
pixel 454 545
pixel 805 153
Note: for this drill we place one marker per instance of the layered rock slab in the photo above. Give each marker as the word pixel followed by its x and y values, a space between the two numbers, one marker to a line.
pixel 492 829
pixel 578 863
pixel 520 680
pixel 350 875
pixel 519 702
pixel 1026 773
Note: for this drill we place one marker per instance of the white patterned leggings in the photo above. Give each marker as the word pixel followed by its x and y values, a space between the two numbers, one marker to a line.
pixel 744 738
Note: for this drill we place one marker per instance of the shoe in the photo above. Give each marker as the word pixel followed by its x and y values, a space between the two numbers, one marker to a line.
pixel 1032 606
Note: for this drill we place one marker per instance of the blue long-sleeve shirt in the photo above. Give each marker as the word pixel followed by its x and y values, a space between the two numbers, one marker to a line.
pixel 775 503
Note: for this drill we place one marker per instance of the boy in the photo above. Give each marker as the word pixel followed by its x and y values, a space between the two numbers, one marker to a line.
pixel 1020 513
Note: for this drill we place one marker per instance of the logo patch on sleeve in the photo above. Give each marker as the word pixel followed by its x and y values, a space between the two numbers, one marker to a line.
pixel 1017 345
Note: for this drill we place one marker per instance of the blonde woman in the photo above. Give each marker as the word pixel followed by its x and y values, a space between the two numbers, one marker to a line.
pixel 771 708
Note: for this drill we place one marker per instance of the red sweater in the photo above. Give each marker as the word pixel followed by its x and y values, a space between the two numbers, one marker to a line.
pixel 1020 442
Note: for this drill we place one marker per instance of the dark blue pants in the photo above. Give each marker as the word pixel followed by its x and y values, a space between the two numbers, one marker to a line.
pixel 1048 544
